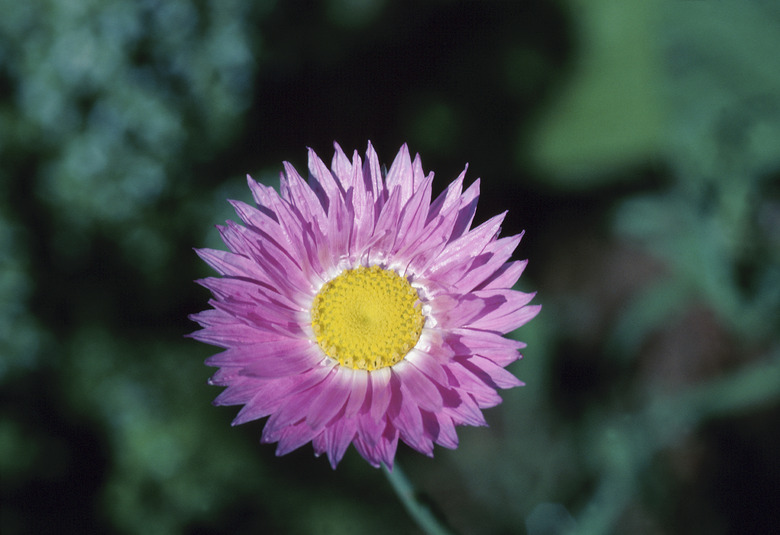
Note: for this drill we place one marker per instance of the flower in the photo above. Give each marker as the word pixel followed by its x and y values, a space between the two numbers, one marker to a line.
pixel 353 310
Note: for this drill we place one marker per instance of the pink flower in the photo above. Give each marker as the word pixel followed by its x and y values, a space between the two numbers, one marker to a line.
pixel 352 309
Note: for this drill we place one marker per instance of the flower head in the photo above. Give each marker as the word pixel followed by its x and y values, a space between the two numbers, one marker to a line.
pixel 353 310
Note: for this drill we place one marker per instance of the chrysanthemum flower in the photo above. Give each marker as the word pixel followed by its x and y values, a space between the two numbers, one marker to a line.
pixel 352 309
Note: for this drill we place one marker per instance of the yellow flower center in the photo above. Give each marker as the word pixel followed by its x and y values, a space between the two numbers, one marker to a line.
pixel 367 318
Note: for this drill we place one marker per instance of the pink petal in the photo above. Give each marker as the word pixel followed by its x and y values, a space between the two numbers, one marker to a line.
pixel 387 446
pixel 476 385
pixel 256 408
pixel 413 214
pixel 410 426
pixel 456 257
pixel 507 322
pixel 464 213
pixel 467 412
pixel 228 377
pixel 358 392
pixel 370 429
pixel 400 175
pixel 265 197
pixel 342 167
pixel 495 310
pixel 380 392
pixel 263 222
pixel 240 289
pixel 291 412
pixel 331 399
pixel 465 341
pixel 375 186
pixel 418 175
pixel 440 429
pixel 417 387
pixel 338 438
pixel 447 199
pixel 428 364
pixel 408 420
pixel 500 350
pixel 443 226
pixel 226 263
pixel 302 195
pixel 387 223
pixel 340 219
pixel 211 318
pixel 360 205
pixel 238 393
pixel 322 182
pixel 272 393
pixel 447 436
pixel 490 372
pixel 371 453
pixel 492 258
pixel 295 360
pixel 261 313
pixel 243 355
pixel 504 277
pixel 261 352
pixel 293 437
pixel 227 334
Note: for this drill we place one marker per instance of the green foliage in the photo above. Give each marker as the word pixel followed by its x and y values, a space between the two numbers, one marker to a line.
pixel 610 114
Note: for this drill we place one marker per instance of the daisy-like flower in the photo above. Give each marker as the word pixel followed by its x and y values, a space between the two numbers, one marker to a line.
pixel 353 310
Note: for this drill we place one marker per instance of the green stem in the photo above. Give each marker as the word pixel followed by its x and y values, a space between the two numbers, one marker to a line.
pixel 421 512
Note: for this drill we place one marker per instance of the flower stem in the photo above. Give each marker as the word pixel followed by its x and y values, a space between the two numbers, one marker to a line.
pixel 420 511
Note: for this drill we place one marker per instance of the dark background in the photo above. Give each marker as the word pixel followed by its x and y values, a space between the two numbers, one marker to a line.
pixel 637 143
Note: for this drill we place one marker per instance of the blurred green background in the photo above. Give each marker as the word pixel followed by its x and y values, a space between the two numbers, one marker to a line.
pixel 637 143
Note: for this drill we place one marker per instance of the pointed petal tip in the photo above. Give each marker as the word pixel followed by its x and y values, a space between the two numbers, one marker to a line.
pixel 534 309
pixel 191 317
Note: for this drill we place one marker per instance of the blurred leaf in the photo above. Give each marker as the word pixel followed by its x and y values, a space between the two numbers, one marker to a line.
pixel 648 311
pixel 723 87
pixel 21 335
pixel 550 519
pixel 610 114
pixel 167 470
